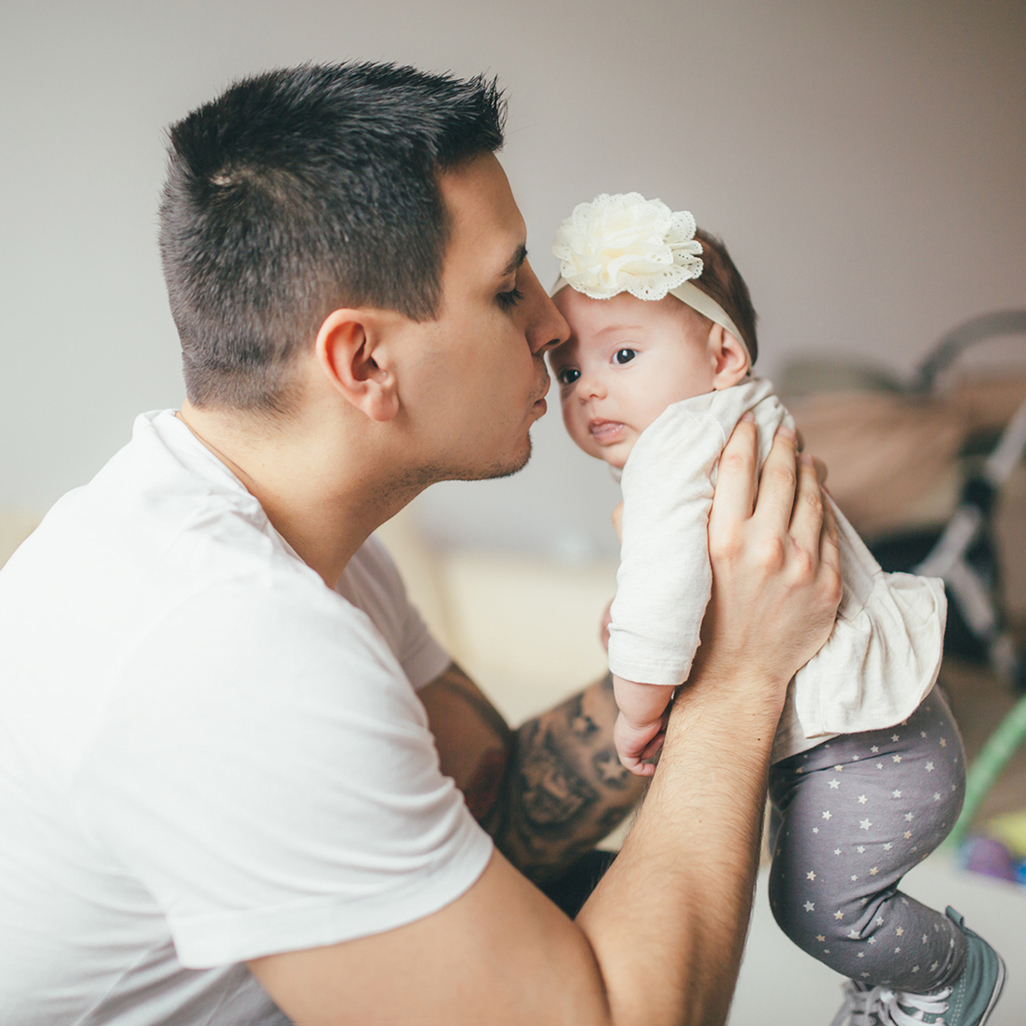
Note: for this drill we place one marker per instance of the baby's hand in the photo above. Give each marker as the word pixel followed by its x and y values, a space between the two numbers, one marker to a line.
pixel 637 744
pixel 604 625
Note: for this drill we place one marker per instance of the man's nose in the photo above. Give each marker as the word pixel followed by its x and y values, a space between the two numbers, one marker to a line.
pixel 548 328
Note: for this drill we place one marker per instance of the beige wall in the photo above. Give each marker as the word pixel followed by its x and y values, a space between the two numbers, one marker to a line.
pixel 865 162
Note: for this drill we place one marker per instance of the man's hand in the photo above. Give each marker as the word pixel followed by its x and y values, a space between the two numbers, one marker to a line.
pixel 775 560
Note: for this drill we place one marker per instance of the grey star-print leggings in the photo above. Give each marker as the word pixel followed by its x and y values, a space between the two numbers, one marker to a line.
pixel 849 818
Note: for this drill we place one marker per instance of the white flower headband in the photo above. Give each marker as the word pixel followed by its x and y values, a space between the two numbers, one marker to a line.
pixel 626 243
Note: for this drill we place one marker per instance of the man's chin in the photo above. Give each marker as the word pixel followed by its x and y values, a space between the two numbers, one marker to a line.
pixel 507 469
pixel 433 474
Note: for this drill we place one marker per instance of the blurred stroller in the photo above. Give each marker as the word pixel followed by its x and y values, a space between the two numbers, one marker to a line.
pixel 919 470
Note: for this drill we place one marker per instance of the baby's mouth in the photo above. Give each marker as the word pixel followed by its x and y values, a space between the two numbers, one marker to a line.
pixel 605 430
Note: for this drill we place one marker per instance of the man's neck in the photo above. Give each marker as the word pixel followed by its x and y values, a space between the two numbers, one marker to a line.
pixel 320 499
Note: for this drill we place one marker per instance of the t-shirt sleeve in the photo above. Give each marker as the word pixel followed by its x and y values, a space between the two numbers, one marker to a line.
pixel 266 771
pixel 373 583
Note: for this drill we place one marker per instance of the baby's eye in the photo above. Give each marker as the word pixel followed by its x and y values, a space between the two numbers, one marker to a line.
pixel 623 356
pixel 567 375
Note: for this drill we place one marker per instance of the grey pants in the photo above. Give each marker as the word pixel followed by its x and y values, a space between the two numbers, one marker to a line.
pixel 850 818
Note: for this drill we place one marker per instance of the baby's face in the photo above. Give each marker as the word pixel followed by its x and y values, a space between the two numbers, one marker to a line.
pixel 626 360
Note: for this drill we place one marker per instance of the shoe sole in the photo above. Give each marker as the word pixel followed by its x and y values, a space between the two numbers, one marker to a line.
pixel 998 987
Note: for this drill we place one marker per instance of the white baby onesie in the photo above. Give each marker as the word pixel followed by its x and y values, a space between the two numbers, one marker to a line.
pixel 884 654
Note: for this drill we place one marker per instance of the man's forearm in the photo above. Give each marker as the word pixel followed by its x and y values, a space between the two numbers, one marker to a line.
pixel 685 877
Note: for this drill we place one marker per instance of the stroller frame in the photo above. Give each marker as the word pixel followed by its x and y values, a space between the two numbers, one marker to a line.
pixel 963 556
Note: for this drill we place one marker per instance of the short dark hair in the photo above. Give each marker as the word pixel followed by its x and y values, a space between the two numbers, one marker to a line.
pixel 301 190
pixel 721 280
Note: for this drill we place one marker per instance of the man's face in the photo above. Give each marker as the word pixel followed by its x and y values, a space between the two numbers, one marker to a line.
pixel 479 377
pixel 627 359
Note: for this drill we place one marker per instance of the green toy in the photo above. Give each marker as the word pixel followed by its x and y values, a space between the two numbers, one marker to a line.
pixel 987 767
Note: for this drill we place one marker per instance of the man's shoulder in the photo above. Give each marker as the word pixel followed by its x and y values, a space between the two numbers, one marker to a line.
pixel 166 538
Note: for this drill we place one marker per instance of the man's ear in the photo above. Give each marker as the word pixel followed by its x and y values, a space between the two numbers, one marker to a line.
pixel 729 357
pixel 349 349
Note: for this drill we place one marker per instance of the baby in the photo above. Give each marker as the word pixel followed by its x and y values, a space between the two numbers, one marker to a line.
pixel 867 776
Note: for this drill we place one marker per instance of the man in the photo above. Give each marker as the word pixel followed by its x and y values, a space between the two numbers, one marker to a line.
pixel 219 785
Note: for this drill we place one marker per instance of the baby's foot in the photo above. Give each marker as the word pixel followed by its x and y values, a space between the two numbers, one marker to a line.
pixel 968 1002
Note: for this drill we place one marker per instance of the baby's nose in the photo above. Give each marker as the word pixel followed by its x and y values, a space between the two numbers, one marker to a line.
pixel 589 386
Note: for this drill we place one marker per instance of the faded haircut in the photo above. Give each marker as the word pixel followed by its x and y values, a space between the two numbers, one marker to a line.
pixel 302 190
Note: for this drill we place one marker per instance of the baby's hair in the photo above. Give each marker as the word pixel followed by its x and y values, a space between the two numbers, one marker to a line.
pixel 721 280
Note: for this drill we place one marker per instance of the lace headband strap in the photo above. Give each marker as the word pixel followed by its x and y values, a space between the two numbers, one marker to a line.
pixel 626 243
pixel 701 301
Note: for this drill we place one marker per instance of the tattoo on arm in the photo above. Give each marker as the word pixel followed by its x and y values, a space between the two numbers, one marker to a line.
pixel 479 740
pixel 547 792
pixel 565 789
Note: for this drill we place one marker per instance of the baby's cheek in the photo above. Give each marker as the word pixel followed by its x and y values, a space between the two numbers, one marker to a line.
pixel 570 415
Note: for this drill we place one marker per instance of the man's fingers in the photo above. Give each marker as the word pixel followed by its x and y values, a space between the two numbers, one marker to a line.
pixel 777 485
pixel 807 516
pixel 813 524
pixel 829 546
pixel 736 481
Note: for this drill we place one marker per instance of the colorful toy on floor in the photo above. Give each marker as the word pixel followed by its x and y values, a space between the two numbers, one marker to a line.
pixel 1000 851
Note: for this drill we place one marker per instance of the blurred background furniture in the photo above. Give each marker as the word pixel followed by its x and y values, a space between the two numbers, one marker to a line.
pixel 926 472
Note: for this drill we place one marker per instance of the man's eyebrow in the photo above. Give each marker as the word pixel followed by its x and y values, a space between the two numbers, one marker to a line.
pixel 518 258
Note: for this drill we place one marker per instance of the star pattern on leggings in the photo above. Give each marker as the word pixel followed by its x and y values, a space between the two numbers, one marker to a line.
pixel 910 763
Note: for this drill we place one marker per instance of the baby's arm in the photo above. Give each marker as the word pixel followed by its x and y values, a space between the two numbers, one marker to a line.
pixel 664 579
pixel 639 728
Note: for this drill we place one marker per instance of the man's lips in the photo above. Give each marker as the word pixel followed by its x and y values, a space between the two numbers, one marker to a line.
pixel 539 401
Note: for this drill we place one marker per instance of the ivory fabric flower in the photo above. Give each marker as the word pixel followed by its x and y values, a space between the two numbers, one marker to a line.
pixel 626 243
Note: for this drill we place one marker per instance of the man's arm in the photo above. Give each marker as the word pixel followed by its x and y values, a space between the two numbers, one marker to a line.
pixel 660 939
pixel 547 792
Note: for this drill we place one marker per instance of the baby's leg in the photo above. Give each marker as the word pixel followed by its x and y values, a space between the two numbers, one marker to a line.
pixel 855 814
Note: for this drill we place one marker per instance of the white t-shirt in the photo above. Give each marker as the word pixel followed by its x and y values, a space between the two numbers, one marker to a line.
pixel 206 755
pixel 884 654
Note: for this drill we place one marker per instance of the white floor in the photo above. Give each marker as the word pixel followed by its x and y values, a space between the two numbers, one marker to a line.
pixel 781 986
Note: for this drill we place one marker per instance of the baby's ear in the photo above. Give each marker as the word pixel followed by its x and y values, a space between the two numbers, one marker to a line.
pixel 729 357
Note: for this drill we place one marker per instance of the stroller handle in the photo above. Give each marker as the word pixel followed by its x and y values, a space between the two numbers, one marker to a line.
pixel 978 329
